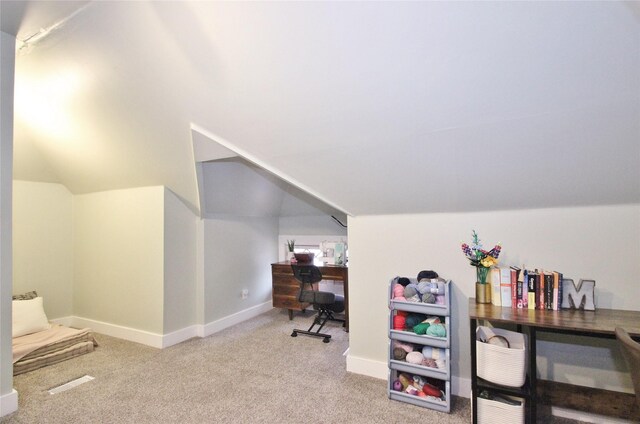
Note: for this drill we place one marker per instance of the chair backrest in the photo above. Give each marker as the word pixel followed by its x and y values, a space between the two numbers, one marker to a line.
pixel 308 275
pixel 631 351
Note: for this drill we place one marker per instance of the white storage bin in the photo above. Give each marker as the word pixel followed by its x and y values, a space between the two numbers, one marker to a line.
pixel 494 412
pixel 502 365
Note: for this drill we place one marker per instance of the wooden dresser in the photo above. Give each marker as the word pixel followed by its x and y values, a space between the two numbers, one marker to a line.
pixel 286 287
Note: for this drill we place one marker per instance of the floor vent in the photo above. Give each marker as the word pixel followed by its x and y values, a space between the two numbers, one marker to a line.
pixel 70 385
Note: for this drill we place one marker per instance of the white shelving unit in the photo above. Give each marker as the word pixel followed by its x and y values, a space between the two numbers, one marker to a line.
pixel 397 367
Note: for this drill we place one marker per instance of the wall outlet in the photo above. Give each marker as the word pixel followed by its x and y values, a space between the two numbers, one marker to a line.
pixel 244 293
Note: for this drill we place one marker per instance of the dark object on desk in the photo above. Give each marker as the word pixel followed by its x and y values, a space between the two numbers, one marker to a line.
pixel 631 351
pixel 326 303
pixel 304 258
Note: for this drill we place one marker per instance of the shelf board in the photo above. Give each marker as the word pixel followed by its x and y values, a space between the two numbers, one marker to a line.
pixel 588 399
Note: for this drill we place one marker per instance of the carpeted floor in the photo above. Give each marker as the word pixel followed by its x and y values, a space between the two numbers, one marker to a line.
pixel 253 372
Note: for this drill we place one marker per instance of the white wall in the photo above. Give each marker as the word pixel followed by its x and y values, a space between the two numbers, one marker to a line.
pixel 118 256
pixel 8 397
pixel 43 244
pixel 180 227
pixel 600 243
pixel 237 255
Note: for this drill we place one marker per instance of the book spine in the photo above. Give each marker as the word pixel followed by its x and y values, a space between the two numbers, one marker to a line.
pixel 514 287
pixel 525 289
pixel 505 287
pixel 494 276
pixel 548 295
pixel 516 274
pixel 554 303
pixel 532 291
pixel 540 292
pixel 560 291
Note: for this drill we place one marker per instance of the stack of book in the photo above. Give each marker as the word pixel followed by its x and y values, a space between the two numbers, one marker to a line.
pixel 526 289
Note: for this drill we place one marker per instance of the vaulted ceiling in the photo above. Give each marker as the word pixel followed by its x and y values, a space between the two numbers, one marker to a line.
pixel 373 107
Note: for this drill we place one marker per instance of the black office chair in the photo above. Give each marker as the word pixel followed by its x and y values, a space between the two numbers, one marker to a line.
pixel 326 303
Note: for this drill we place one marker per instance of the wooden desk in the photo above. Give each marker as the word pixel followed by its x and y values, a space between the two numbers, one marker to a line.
pixel 599 323
pixel 286 287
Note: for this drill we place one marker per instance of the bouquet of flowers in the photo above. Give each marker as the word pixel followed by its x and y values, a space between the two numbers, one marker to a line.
pixel 480 258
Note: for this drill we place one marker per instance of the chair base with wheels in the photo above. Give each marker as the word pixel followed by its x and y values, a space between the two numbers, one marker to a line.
pixel 326 303
pixel 321 319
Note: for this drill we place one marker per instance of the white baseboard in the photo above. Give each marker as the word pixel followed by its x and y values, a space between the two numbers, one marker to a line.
pixel 161 341
pixel 8 403
pixel 368 367
pixel 180 335
pixel 238 317
pixel 66 321
pixel 119 331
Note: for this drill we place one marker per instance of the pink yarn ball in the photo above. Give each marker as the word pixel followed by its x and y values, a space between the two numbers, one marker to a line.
pixel 398 291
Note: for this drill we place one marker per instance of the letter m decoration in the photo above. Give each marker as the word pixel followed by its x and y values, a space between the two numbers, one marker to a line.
pixel 580 297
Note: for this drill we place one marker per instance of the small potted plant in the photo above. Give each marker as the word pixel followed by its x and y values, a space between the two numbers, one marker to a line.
pixel 291 244
pixel 482 260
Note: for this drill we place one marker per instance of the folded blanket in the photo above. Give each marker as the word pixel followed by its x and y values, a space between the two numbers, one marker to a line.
pixel 57 334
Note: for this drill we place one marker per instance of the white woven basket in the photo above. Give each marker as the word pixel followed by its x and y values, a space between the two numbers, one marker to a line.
pixel 502 365
pixel 494 412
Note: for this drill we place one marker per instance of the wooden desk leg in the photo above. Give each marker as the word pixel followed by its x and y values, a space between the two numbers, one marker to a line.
pixel 474 378
pixel 290 314
pixel 533 378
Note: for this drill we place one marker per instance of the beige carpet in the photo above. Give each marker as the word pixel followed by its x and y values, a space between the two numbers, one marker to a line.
pixel 253 372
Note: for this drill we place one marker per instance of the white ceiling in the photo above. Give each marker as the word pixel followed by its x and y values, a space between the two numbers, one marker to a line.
pixel 375 107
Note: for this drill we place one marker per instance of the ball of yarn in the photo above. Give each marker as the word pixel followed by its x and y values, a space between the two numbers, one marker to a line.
pixel 433 352
pixel 436 330
pixel 407 347
pixel 430 362
pixel 414 358
pixel 429 298
pixel 405 380
pixel 414 319
pixel 404 281
pixel 398 291
pixel 399 322
pixel 410 291
pixel 412 390
pixel 421 328
pixel 431 390
pixel 397 385
pixel 399 354
pixel 427 274
pixel 418 381
pixel 439 299
pixel 432 320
